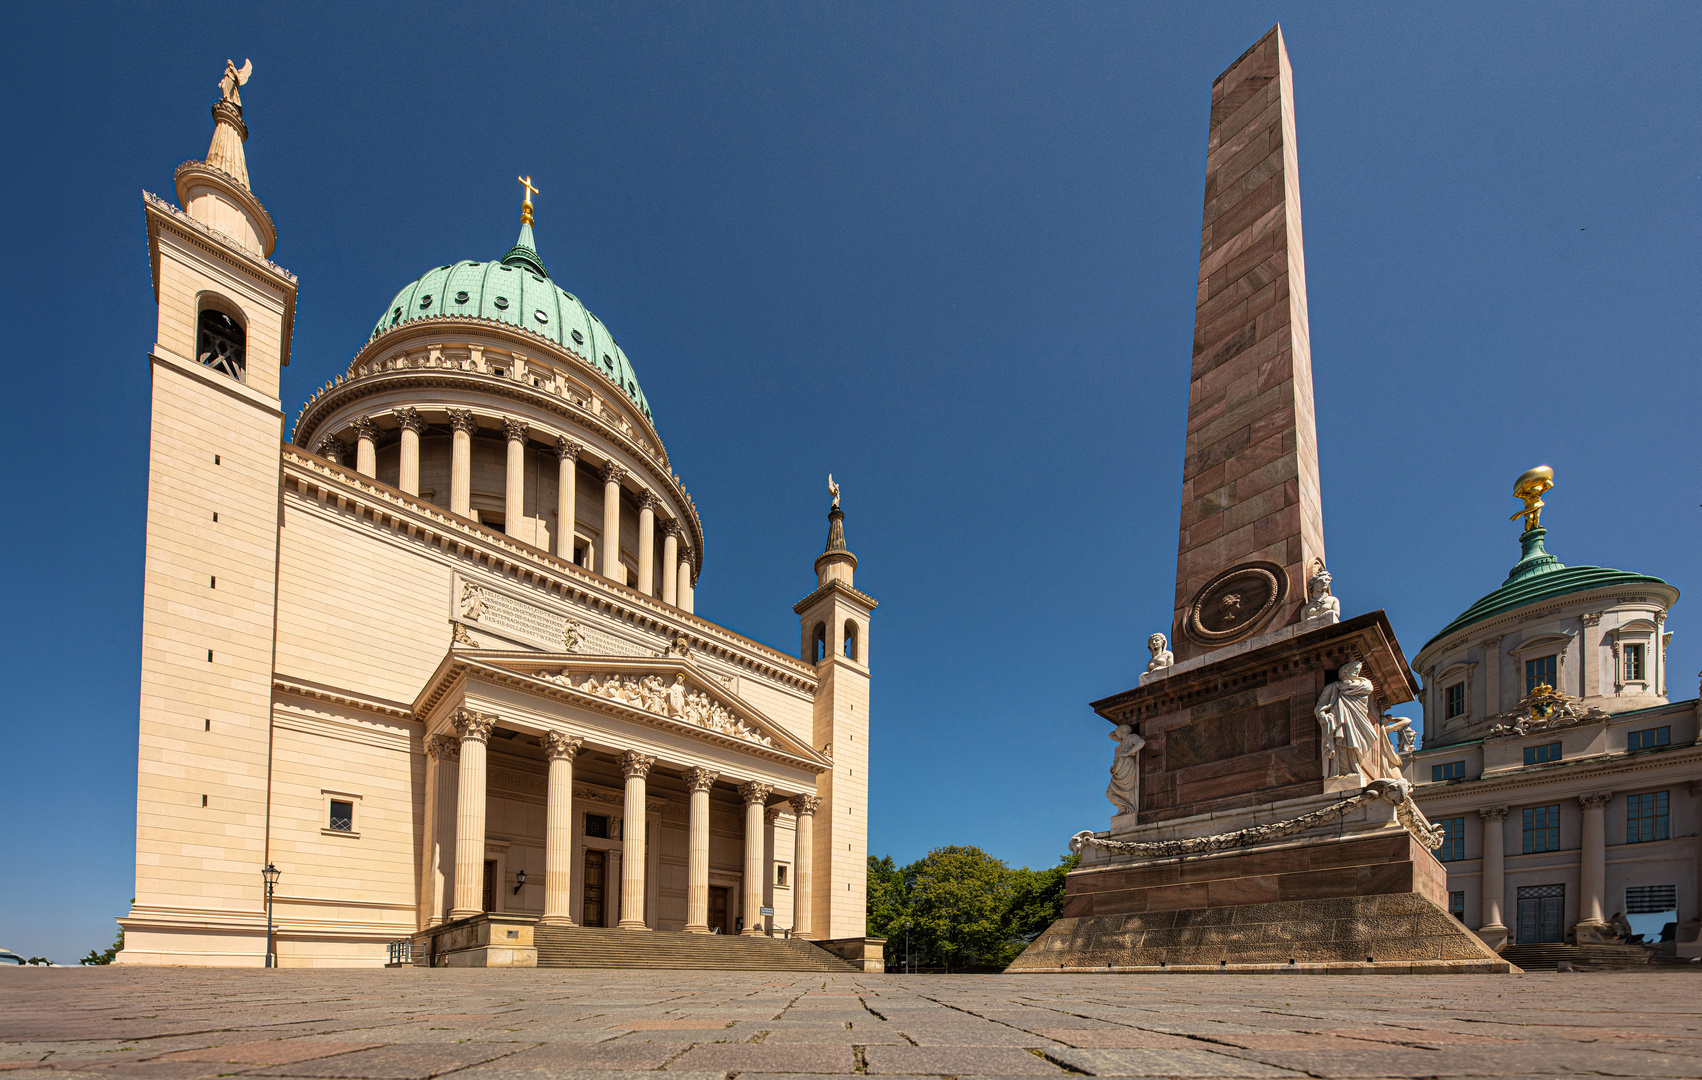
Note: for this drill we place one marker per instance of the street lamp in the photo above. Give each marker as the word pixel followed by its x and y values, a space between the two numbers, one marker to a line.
pixel 271 874
pixel 519 882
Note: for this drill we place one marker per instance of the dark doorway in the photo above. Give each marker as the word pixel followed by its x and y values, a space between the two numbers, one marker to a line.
pixel 596 869
pixel 718 910
pixel 490 886
pixel 1542 914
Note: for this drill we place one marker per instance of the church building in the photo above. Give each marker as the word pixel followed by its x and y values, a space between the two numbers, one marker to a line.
pixel 429 657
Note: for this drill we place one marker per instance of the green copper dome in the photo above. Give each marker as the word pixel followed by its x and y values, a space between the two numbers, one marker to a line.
pixel 515 290
pixel 1538 576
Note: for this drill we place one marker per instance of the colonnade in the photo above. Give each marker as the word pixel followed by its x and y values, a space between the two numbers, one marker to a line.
pixel 463 756
pixel 676 554
pixel 1592 864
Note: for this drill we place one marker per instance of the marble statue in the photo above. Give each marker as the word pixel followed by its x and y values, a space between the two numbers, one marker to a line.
pixel 234 77
pixel 1162 657
pixel 833 489
pixel 1321 607
pixel 677 697
pixel 1355 743
pixel 1124 790
pixel 1401 728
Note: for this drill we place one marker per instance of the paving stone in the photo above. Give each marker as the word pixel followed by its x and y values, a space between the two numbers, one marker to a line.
pixel 269 1051
pixel 591 1056
pixel 1181 1062
pixel 768 1057
pixel 957 1061
pixel 398 1062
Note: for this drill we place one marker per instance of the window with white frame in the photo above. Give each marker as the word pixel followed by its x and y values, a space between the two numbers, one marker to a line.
pixel 1454 700
pixel 1633 662
pixel 339 813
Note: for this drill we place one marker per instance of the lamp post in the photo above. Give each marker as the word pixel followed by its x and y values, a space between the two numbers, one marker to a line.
pixel 271 874
pixel 519 882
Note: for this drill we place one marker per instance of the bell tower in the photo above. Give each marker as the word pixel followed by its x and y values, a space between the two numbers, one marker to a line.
pixel 210 588
pixel 834 624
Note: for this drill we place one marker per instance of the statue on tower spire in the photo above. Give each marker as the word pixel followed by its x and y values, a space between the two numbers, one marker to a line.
pixel 234 77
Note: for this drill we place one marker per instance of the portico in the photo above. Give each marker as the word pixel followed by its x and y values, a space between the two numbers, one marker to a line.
pixel 620 753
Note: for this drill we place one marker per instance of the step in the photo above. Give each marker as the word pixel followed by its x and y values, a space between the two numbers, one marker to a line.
pixel 589 947
pixel 1545 957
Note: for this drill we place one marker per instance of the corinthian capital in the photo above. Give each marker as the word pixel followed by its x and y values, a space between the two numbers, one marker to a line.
pixel 1595 800
pixel 671 527
pixel 559 747
pixel 755 794
pixel 474 726
pixel 567 449
pixel 1493 813
pixel 805 805
pixel 612 473
pixel 1591 618
pixel 647 500
pixel 636 764
pixel 462 420
pixel 365 428
pixel 700 779
pixel 443 747
pixel 517 429
pixel 332 449
pixel 408 419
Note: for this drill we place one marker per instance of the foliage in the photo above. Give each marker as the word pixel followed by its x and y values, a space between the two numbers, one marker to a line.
pixel 107 956
pixel 959 907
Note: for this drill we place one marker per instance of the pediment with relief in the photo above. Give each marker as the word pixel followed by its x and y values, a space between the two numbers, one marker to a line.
pixel 668 688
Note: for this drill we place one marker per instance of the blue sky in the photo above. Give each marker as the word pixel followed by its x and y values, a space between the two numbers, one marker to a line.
pixel 947 252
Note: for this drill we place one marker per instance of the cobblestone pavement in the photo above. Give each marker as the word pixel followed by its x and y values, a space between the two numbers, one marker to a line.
pixel 184 1024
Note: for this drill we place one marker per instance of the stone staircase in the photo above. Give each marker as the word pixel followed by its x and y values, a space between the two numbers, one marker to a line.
pixel 587 947
pixel 1582 957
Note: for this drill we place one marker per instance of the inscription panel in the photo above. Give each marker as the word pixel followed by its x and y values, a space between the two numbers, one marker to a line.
pixel 486 607
pixel 1218 738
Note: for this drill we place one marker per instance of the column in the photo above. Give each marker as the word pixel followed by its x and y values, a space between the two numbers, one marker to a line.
pixel 685 578
pixel 804 866
pixel 366 446
pixel 1592 867
pixel 558 828
pixel 1494 869
pixel 647 543
pixel 443 753
pixel 475 731
pixel 670 559
pixel 770 849
pixel 567 495
pixel 332 449
pixel 408 474
pixel 756 798
pixel 1492 676
pixel 463 425
pixel 611 561
pixel 636 767
pixel 514 497
pixel 699 781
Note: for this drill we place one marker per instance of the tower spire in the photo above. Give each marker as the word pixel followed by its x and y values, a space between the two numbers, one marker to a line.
pixel 229 132
pixel 525 249
pixel 835 562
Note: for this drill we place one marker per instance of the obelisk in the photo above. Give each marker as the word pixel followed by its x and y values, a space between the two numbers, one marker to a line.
pixel 1252 524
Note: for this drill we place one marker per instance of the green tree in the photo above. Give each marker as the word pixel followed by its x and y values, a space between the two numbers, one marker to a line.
pixel 106 957
pixel 1037 901
pixel 959 897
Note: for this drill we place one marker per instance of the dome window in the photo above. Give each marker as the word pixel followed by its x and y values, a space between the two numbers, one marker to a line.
pixel 222 343
pixel 501 303
pixel 578 338
pixel 425 301
pixel 541 316
pixel 610 364
pixel 396 316
pixel 461 298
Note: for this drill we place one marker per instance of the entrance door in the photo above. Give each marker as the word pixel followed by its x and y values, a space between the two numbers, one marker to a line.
pixel 718 910
pixel 1542 914
pixel 596 868
pixel 490 885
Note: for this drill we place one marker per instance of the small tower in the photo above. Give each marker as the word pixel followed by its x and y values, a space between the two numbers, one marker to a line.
pixel 834 620
pixel 211 571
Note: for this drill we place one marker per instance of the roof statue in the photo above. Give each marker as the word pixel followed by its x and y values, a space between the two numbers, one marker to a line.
pixel 833 489
pixel 1530 487
pixel 234 77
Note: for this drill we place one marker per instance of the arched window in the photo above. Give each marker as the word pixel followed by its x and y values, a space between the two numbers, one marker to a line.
pixel 222 344
pixel 818 647
pixel 850 639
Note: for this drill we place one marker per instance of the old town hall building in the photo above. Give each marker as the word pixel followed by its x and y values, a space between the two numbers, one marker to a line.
pixel 432 660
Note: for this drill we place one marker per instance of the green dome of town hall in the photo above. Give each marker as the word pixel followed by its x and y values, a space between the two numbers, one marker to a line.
pixel 515 290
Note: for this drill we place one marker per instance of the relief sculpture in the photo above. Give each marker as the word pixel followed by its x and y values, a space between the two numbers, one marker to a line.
pixel 678 701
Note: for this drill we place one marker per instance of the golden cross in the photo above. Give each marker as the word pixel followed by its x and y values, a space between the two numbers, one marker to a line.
pixel 526 200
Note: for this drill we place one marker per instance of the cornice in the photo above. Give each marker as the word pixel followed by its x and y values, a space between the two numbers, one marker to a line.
pixel 344 391
pixel 836 586
pixel 317 481
pixel 1583 769
pixel 285 684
